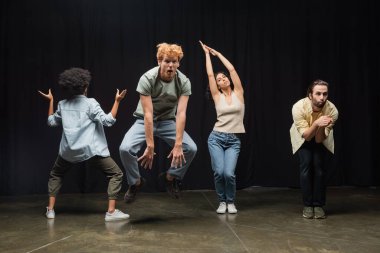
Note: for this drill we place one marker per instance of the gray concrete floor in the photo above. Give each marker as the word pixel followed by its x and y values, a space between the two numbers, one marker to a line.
pixel 269 220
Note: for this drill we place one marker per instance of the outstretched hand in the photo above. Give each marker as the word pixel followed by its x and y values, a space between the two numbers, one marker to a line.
pixel 213 51
pixel 205 48
pixel 48 96
pixel 119 96
pixel 208 49
pixel 147 158
pixel 178 159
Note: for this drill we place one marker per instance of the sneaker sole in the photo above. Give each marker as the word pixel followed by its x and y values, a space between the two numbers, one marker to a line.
pixel 308 217
pixel 116 219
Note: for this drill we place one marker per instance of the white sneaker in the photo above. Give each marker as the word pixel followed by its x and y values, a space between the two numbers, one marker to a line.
pixel 116 215
pixel 231 208
pixel 50 214
pixel 222 208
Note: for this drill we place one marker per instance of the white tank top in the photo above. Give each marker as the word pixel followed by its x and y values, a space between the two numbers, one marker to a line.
pixel 229 117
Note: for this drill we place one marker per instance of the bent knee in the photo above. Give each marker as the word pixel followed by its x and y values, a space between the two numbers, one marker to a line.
pixel 192 148
pixel 218 174
pixel 229 176
pixel 125 149
pixel 119 174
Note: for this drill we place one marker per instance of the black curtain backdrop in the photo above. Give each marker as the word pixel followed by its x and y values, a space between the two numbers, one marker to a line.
pixel 278 47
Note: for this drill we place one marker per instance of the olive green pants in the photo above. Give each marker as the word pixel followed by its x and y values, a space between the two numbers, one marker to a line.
pixel 106 164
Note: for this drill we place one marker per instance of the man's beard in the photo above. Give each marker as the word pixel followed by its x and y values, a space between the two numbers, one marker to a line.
pixel 320 104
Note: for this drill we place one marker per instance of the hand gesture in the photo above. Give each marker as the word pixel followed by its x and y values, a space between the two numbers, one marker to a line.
pixel 205 48
pixel 120 96
pixel 178 157
pixel 48 96
pixel 208 49
pixel 323 121
pixel 147 158
pixel 213 51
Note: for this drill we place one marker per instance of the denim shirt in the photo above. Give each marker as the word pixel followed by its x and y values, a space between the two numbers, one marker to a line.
pixel 82 120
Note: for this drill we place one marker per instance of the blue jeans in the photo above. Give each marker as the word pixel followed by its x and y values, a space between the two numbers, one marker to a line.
pixel 134 139
pixel 224 150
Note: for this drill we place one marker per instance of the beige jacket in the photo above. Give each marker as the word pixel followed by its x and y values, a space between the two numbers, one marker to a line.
pixel 302 120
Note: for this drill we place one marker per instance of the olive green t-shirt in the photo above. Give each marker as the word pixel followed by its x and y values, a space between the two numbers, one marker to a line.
pixel 164 95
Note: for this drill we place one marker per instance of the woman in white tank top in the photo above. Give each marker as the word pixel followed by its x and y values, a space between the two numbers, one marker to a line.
pixel 223 141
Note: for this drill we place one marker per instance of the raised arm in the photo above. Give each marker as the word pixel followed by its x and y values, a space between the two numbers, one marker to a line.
pixel 50 97
pixel 118 98
pixel 231 69
pixel 210 72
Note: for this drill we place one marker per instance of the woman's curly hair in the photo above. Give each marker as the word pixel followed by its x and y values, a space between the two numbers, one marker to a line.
pixel 74 81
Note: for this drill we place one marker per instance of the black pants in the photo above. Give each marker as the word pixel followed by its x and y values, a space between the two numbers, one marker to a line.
pixel 312 173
